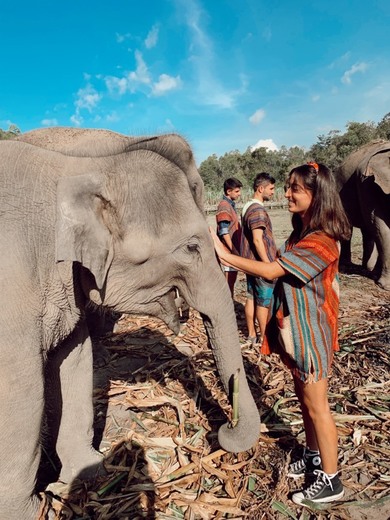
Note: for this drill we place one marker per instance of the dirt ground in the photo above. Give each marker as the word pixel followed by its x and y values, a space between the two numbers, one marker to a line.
pixel 159 405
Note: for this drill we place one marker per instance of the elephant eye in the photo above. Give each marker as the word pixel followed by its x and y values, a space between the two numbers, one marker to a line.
pixel 192 248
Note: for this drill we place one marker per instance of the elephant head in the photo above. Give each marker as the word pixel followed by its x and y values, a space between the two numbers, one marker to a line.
pixel 87 142
pixel 137 230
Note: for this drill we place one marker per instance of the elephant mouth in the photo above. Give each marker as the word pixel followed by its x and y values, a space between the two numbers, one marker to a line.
pixel 181 306
pixel 171 308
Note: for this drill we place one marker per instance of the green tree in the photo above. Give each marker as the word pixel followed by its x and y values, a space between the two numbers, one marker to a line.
pixel 12 132
pixel 211 172
pixel 230 165
pixel 330 149
pixel 333 148
pixel 383 128
pixel 357 135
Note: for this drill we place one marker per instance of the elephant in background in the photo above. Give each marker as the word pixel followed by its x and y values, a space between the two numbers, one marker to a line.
pixel 364 184
pixel 116 221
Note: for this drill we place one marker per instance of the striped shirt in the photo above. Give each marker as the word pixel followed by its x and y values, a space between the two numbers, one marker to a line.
pixel 309 296
pixel 254 216
pixel 226 213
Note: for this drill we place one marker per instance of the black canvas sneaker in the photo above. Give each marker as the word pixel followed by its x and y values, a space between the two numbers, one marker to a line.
pixel 322 490
pixel 309 462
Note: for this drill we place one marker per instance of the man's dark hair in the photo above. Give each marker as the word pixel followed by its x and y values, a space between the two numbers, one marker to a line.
pixel 262 179
pixel 231 184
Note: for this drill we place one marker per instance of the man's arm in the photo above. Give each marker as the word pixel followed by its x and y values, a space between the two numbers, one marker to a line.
pixel 258 242
pixel 223 233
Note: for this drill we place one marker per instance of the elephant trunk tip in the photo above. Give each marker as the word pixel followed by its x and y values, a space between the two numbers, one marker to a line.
pixel 241 437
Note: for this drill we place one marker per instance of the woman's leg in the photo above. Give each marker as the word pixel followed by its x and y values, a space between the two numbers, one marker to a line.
pixel 320 428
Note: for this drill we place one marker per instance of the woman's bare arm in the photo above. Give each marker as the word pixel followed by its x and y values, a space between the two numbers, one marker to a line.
pixel 270 271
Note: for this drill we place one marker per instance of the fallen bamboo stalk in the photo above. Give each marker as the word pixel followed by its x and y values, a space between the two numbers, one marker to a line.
pixel 236 383
pixel 186 469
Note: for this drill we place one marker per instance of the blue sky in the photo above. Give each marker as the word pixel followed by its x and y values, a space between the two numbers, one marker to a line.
pixel 226 74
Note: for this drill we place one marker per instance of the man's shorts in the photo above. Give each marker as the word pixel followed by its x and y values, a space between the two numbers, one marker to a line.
pixel 260 290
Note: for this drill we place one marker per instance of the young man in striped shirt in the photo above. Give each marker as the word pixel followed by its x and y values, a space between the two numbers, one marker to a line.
pixel 257 243
pixel 228 225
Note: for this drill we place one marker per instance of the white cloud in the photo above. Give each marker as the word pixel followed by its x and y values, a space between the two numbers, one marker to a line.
pixel 151 39
pixel 76 119
pixel 209 89
pixel 265 143
pixel 49 122
pixel 315 98
pixel 341 60
pixel 122 37
pixel 257 116
pixel 115 84
pixel 88 98
pixel 380 91
pixel 128 82
pixel 166 83
pixel 112 117
pixel 358 67
pixel 141 74
pixel 220 99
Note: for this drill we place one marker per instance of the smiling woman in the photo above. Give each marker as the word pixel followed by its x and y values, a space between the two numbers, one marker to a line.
pixel 302 325
pixel 299 198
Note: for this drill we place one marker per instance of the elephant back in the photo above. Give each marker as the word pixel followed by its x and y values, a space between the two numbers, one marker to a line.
pixel 357 162
pixel 376 163
pixel 79 142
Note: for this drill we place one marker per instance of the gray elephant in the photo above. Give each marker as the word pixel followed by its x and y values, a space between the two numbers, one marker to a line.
pixel 364 183
pixel 116 221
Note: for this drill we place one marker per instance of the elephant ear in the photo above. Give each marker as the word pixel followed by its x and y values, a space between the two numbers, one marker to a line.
pixel 379 166
pixel 81 234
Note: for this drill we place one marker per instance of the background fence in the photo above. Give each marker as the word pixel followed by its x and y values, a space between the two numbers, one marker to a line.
pixel 213 197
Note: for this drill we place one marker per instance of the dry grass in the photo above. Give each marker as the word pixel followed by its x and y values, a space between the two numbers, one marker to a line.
pixel 162 405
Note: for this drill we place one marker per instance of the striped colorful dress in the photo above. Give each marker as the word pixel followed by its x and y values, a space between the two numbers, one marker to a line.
pixel 304 313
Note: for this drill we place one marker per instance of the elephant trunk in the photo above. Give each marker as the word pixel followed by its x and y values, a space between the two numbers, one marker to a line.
pixel 226 347
pixel 221 327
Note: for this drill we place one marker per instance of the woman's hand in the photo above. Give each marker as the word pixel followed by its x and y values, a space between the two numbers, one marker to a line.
pixel 219 247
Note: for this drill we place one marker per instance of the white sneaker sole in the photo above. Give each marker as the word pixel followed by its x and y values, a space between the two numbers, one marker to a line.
pixel 301 499
pixel 295 476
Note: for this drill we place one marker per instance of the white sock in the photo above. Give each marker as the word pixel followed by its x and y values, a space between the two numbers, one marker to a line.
pixel 311 452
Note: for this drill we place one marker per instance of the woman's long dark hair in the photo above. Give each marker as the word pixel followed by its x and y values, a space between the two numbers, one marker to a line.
pixel 326 210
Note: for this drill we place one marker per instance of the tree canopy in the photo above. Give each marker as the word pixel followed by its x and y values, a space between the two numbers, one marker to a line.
pixel 331 149
pixel 12 132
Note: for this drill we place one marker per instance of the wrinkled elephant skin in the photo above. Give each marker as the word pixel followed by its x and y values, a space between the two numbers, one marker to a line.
pixel 364 183
pixel 106 219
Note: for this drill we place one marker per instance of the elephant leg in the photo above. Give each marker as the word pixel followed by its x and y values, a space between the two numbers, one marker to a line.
pixel 382 241
pixel 370 253
pixel 70 407
pixel 21 412
pixel 345 255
